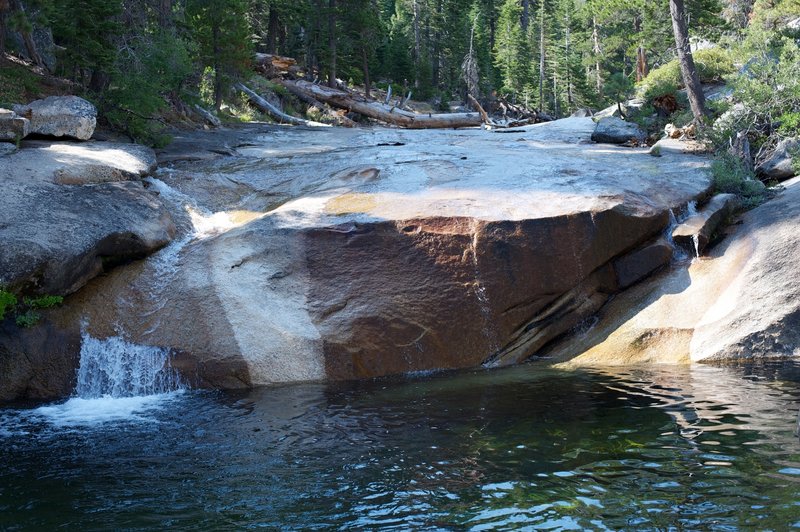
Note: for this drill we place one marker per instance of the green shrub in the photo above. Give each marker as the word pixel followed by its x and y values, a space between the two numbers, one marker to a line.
pixel 713 64
pixel 43 302
pixel 730 176
pixel 25 314
pixel 7 303
pixel 770 89
pixel 28 319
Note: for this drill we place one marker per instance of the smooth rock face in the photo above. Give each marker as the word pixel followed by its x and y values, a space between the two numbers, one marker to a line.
pixel 741 302
pixel 779 165
pixel 60 116
pixel 54 238
pixel 37 363
pixel 613 130
pixel 696 232
pixel 343 254
pixel 13 127
pixel 635 266
pixel 6 148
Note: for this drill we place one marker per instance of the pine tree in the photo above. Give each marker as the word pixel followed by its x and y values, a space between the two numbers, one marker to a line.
pixel 219 28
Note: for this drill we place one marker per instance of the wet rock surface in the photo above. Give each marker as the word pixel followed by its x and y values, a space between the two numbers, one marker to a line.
pixel 337 254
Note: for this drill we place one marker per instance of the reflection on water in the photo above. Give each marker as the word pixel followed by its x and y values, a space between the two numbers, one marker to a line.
pixel 642 448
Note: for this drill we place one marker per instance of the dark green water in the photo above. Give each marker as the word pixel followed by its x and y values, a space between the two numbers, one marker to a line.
pixel 659 448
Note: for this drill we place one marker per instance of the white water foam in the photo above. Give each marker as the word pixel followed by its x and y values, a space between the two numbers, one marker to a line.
pixel 204 222
pixel 86 412
pixel 117 381
pixel 115 367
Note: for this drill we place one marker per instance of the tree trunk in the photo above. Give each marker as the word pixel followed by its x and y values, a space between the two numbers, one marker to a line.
pixel 417 43
pixel 316 37
pixel 365 59
pixel 541 56
pixel 217 66
pixel 596 51
pixel 306 98
pixel 332 42
pixel 165 13
pixel 641 58
pixel 27 38
pixel 691 80
pixel 384 113
pixel 566 56
pixel 4 7
pixel 273 111
pixel 525 18
pixel 272 31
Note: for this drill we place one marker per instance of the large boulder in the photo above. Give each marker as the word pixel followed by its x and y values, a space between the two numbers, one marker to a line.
pixel 780 164
pixel 318 256
pixel 742 302
pixel 54 238
pixel 13 127
pixel 613 130
pixel 60 116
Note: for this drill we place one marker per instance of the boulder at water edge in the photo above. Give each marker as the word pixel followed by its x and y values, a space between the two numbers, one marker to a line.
pixel 742 302
pixel 60 116
pixel 340 254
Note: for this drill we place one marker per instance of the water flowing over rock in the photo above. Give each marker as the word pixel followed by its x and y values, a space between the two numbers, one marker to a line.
pixel 115 367
pixel 743 301
pixel 357 253
pixel 60 116
pixel 697 230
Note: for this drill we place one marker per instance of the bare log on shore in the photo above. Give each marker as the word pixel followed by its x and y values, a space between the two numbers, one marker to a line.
pixel 207 116
pixel 384 113
pixel 306 98
pixel 273 111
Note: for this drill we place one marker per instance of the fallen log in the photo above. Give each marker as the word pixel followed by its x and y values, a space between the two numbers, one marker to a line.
pixel 378 111
pixel 479 108
pixel 273 111
pixel 207 116
pixel 305 98
pixel 277 62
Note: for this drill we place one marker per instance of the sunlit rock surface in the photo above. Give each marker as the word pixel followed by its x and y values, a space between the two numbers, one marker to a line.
pixel 741 302
pixel 67 208
pixel 336 254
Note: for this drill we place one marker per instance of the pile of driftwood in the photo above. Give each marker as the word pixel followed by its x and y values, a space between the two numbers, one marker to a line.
pixel 285 72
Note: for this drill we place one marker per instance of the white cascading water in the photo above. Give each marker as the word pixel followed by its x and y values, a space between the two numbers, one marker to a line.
pixel 115 367
pixel 678 253
pixel 117 381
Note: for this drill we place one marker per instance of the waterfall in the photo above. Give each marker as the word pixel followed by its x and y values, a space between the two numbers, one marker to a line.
pixel 118 381
pixel 480 293
pixel 696 242
pixel 115 367
pixel 678 253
